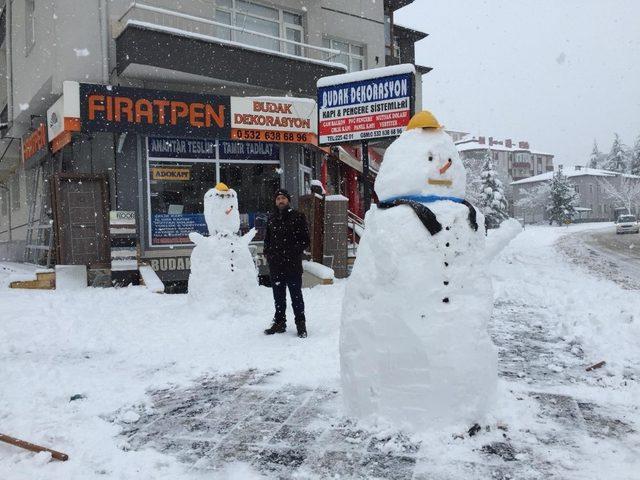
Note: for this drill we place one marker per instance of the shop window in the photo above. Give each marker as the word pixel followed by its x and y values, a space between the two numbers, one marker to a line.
pixel 255 184
pixel 305 171
pixel 177 187
pixel 352 55
pixel 262 19
pixel 176 191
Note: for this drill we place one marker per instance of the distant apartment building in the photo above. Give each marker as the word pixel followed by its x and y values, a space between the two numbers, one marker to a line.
pixel 512 160
pixel 593 203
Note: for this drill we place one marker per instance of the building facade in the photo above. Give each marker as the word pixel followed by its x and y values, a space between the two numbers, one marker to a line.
pixel 594 204
pixel 512 160
pixel 112 107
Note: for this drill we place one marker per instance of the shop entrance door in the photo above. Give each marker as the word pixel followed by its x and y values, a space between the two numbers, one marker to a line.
pixel 81 220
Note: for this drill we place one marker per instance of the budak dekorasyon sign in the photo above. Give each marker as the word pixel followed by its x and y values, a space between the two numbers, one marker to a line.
pixel 366 105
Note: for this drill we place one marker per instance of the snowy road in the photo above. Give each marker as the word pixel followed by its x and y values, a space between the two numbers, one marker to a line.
pixel 176 390
pixel 607 254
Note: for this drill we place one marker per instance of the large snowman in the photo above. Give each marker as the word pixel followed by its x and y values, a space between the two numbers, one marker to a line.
pixel 222 268
pixel 414 347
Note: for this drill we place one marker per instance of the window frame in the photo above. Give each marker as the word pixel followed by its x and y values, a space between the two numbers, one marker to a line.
pixel 216 163
pixel 328 42
pixel 234 11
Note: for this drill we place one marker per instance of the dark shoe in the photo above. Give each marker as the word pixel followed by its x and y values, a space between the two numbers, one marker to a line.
pixel 276 327
pixel 301 325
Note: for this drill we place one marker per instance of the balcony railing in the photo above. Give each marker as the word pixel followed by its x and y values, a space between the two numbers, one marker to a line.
pixel 147 15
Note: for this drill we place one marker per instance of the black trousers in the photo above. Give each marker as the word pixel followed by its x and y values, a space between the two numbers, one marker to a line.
pixel 280 281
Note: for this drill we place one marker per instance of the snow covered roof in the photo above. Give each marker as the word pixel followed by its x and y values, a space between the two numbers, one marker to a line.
pixel 470 142
pixel 582 171
pixel 366 74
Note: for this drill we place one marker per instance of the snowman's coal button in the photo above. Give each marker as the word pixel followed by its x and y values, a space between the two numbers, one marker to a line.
pixel 445 299
pixel 446 264
pixel 446 282
pixel 447 228
pixel 447 244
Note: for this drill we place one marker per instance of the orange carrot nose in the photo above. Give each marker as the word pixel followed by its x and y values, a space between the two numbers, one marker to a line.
pixel 228 210
pixel 446 167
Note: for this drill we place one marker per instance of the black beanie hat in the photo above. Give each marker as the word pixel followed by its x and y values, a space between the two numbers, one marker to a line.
pixel 282 191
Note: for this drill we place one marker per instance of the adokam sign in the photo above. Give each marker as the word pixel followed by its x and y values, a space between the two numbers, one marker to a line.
pixel 365 105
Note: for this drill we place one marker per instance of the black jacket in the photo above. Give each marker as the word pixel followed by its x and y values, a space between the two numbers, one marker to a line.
pixel 286 238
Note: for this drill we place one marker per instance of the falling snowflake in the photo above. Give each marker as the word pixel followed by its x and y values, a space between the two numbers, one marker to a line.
pixel 81 52
pixel 24 106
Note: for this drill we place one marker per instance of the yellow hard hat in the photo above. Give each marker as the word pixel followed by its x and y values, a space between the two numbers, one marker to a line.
pixel 423 119
pixel 222 187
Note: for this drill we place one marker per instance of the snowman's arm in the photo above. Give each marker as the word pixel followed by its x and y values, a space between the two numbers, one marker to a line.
pixel 247 237
pixel 499 238
pixel 195 237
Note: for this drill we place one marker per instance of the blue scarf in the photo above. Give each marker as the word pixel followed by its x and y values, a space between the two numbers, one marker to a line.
pixel 424 198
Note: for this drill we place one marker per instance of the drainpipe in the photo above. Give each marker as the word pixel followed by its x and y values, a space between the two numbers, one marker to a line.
pixel 104 40
pixel 8 33
pixel 3 186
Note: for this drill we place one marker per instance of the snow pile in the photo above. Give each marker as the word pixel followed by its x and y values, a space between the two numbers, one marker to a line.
pixel 413 342
pixel 499 238
pixel 317 269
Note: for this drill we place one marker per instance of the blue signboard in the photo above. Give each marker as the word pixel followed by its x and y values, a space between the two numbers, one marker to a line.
pixel 354 107
pixel 168 229
pixel 205 149
pixel 249 151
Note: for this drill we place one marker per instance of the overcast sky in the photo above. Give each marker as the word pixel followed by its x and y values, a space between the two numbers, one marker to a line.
pixel 559 73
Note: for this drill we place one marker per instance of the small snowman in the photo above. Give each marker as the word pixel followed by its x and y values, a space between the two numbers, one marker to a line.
pixel 414 346
pixel 222 267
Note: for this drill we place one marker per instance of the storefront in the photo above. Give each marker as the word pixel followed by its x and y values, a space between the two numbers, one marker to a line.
pixel 160 151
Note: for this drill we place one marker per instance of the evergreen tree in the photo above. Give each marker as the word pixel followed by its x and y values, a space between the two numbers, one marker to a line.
pixel 596 156
pixel 617 160
pixel 634 161
pixel 563 199
pixel 493 201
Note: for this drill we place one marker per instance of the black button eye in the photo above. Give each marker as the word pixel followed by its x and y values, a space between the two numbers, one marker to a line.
pixel 431 158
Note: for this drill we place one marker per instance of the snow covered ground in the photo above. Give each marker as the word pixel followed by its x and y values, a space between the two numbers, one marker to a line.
pixel 174 389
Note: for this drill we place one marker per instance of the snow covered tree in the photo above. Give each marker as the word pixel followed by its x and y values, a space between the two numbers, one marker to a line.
pixel 493 201
pixel 617 160
pixel 634 160
pixel 596 157
pixel 625 194
pixel 533 202
pixel 563 199
pixel 473 166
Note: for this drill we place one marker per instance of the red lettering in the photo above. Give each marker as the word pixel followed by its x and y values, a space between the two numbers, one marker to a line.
pixel 123 105
pixel 178 110
pixel 96 104
pixel 196 114
pixel 144 109
pixel 210 114
pixel 161 104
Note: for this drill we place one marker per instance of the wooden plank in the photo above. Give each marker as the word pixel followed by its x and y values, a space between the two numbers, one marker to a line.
pixel 32 447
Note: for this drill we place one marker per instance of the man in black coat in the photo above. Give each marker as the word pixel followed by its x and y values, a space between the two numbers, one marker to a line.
pixel 286 238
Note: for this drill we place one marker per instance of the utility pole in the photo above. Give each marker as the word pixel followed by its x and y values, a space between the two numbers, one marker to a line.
pixel 8 200
pixel 365 175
